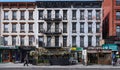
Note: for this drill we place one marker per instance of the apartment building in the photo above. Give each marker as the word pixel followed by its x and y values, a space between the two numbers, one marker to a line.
pixel 111 21
pixel 17 28
pixel 69 23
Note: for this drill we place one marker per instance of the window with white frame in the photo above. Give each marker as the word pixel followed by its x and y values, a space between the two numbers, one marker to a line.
pixel 22 40
pixel 73 14
pixel 41 41
pixel 30 27
pixel 40 14
pixel 31 40
pixel 81 41
pixel 64 41
pixel 97 27
pixel 81 27
pixel 73 41
pixel 22 27
pixel 89 14
pixel 14 15
pixel 14 27
pixel 64 27
pixel 13 40
pixel 89 27
pixel 22 15
pixel 5 39
pixel 5 15
pixel 6 27
pixel 97 40
pixel 31 15
pixel 117 30
pixel 56 13
pixel 40 27
pixel 81 14
pixel 89 41
pixel 64 14
pixel 98 13
pixel 73 27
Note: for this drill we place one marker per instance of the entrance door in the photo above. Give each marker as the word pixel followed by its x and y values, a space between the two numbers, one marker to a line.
pixel 92 58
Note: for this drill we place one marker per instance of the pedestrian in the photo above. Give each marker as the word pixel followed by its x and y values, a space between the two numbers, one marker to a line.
pixel 113 58
pixel 26 60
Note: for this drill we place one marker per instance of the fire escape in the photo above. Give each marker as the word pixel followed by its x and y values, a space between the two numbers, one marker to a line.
pixel 53 30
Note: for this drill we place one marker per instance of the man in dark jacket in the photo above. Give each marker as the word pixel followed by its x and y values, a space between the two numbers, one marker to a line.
pixel 26 60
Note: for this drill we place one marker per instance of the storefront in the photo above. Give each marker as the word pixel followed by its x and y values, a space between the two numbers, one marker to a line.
pixel 25 50
pixel 97 56
pixel 76 52
pixel 8 53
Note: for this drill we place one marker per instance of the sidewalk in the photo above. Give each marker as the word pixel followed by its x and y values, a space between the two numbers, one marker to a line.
pixel 20 65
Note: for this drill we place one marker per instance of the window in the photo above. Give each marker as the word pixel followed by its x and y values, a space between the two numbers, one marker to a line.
pixel 30 27
pixel 22 27
pixel 117 30
pixel 97 27
pixel 22 16
pixel 81 41
pixel 81 14
pixel 56 13
pixel 48 41
pixel 73 41
pixel 117 2
pixel 41 27
pixel 49 27
pixel 64 41
pixel 13 40
pixel 14 15
pixel 89 27
pixel 98 15
pixel 117 15
pixel 30 15
pixel 22 40
pixel 5 15
pixel 5 39
pixel 73 27
pixel 40 14
pixel 31 40
pixel 57 27
pixel 81 27
pixel 49 14
pixel 6 55
pixel 89 40
pixel 64 14
pixel 41 41
pixel 73 14
pixel 64 27
pixel 6 28
pixel 89 14
pixel 56 41
pixel 14 28
pixel 97 40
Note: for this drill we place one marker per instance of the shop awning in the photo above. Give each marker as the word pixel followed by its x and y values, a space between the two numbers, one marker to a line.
pixel 76 49
pixel 113 47
pixel 8 47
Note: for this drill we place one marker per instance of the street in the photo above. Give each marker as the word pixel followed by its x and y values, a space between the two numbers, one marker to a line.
pixel 19 66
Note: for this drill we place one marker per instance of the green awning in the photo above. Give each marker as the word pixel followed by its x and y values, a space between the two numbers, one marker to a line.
pixel 76 49
pixel 113 47
pixel 8 47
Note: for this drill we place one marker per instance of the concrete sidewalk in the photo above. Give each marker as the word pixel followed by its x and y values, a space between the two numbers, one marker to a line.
pixel 20 65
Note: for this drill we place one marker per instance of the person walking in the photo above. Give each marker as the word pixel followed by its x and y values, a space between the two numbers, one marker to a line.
pixel 26 60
